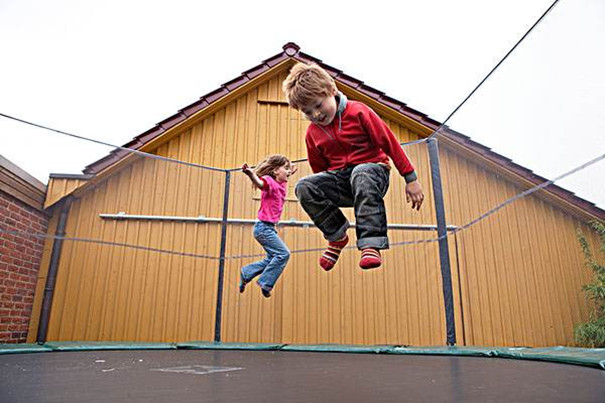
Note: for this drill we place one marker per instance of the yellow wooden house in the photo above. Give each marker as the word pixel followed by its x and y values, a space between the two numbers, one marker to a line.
pixel 516 276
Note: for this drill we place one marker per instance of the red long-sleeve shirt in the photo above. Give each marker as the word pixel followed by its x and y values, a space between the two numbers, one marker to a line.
pixel 362 137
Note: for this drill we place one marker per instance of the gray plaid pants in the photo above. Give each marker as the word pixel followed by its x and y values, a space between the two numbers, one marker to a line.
pixel 362 187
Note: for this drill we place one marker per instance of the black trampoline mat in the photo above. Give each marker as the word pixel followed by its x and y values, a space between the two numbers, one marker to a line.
pixel 279 376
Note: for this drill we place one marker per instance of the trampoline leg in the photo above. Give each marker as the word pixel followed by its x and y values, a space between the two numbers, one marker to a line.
pixel 444 254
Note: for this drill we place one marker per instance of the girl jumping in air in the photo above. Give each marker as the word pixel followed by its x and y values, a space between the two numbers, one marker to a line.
pixel 271 177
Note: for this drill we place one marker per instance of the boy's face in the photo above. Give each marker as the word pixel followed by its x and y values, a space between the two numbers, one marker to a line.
pixel 321 111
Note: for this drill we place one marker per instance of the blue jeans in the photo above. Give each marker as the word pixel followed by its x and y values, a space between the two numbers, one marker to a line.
pixel 271 267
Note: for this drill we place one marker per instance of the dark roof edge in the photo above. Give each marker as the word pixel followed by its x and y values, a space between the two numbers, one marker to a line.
pixel 204 101
pixel 22 174
pixel 525 173
pixel 70 176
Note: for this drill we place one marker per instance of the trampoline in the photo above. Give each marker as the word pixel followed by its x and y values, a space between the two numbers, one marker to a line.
pixel 280 373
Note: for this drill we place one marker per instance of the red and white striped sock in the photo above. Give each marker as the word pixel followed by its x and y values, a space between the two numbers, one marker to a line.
pixel 370 258
pixel 330 256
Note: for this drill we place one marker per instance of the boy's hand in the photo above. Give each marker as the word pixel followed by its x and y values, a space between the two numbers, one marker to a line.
pixel 413 193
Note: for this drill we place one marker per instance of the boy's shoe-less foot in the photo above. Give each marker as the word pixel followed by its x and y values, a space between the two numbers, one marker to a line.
pixel 370 259
pixel 330 256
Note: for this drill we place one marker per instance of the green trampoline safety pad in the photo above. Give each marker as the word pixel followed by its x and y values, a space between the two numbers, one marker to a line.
pixel 209 345
pixel 568 355
pixel 594 357
pixel 106 345
pixel 13 348
pixel 338 348
pixel 446 350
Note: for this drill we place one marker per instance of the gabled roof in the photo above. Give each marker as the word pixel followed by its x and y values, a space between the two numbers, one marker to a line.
pixel 19 184
pixel 292 51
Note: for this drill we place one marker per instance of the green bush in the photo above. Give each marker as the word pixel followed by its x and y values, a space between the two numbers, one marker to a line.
pixel 592 333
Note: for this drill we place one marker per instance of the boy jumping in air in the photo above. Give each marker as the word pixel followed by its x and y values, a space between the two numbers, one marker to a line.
pixel 348 148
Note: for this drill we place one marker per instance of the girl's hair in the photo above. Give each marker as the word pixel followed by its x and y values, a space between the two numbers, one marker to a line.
pixel 306 83
pixel 270 164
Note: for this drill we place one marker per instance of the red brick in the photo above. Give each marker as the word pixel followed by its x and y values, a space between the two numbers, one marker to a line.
pixel 27 280
pixel 20 257
pixel 20 290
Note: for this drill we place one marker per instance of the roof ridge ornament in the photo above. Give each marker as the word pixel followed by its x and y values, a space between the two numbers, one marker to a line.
pixel 291 49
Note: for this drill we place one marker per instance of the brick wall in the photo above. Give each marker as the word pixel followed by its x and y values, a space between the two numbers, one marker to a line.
pixel 19 264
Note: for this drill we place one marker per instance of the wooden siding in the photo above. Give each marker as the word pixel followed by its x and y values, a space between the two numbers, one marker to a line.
pixel 59 188
pixel 128 294
pixel 522 269
pixel 517 275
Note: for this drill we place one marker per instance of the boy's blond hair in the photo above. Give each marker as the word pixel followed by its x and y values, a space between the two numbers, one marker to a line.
pixel 306 83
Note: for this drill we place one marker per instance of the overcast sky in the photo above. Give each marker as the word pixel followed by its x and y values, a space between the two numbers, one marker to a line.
pixel 112 69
